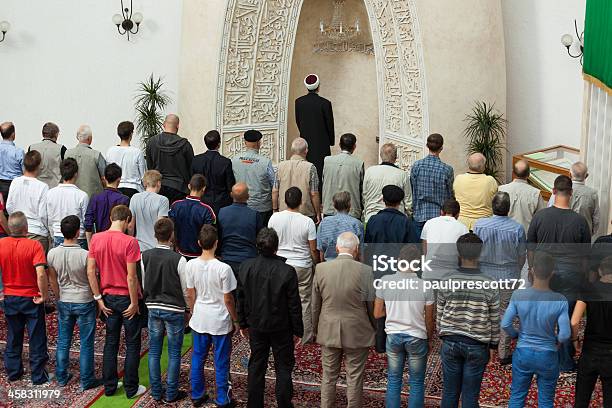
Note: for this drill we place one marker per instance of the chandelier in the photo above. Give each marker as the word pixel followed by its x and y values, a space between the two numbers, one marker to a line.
pixel 338 36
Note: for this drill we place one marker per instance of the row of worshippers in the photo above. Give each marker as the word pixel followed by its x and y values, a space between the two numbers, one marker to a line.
pixel 269 312
pixel 429 183
pixel 394 231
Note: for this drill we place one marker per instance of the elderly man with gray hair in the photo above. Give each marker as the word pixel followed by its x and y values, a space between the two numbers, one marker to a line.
pixel 297 172
pixel 342 317
pixel 91 163
pixel 474 191
pixel 503 255
pixel 585 200
pixel 384 174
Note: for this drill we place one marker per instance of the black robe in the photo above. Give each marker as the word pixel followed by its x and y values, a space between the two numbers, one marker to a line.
pixel 315 120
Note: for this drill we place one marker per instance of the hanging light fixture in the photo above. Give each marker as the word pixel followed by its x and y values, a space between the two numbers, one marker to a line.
pixel 5 26
pixel 568 40
pixel 127 19
pixel 340 36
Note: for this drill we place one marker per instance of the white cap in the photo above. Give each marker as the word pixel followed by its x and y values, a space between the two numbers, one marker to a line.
pixel 311 81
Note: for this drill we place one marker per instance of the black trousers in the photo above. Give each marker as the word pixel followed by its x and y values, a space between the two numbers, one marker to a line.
pixel 265 217
pixel 128 191
pixel 4 190
pixel 594 362
pixel 114 322
pixel 284 360
pixel 171 194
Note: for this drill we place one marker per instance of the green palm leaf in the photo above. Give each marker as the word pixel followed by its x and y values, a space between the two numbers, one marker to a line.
pixel 150 101
pixel 485 132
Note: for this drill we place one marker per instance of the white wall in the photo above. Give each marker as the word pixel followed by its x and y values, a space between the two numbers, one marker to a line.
pixel 63 61
pixel 545 86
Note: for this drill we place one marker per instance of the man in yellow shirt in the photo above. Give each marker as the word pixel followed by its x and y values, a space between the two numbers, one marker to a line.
pixel 474 191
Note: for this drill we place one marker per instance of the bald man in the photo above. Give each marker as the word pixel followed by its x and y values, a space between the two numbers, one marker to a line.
pixel 474 191
pixel 91 163
pixel 585 200
pixel 238 227
pixel 172 156
pixel 525 199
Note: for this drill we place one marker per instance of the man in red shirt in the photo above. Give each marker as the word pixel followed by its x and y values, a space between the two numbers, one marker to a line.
pixel 23 262
pixel 115 255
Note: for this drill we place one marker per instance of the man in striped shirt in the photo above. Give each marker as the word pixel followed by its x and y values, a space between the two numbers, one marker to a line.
pixel 468 324
pixel 503 256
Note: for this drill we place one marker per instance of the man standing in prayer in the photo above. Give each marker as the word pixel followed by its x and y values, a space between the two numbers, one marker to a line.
pixel 91 163
pixel 381 175
pixel 315 120
pixel 130 159
pixel 474 191
pixel 270 314
pixel 297 172
pixel 432 183
pixel 525 199
pixel 11 159
pixel 585 200
pixel 52 155
pixel 218 172
pixel 342 307
pixel 257 172
pixel 344 172
pixel 172 156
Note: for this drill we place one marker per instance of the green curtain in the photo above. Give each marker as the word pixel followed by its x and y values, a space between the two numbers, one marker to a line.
pixel 598 43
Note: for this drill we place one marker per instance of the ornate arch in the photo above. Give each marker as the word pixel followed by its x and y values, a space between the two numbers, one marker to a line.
pixel 255 64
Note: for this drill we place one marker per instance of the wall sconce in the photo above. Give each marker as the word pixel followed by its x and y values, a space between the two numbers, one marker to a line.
pixel 568 40
pixel 4 27
pixel 126 20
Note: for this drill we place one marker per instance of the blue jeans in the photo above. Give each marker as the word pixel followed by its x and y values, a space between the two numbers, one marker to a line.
pixel 114 322
pixel 21 313
pixel 399 348
pixel 527 362
pixel 57 241
pixel 463 366
pixel 222 345
pixel 174 323
pixel 84 314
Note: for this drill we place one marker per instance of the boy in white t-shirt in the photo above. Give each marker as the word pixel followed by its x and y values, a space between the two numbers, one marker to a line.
pixel 439 238
pixel 130 159
pixel 409 324
pixel 297 243
pixel 210 283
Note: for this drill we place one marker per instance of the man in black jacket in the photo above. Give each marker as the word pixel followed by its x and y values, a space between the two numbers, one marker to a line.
pixel 270 313
pixel 171 155
pixel 315 120
pixel 218 172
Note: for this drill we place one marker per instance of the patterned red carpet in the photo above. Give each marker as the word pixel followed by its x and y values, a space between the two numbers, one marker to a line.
pixel 495 387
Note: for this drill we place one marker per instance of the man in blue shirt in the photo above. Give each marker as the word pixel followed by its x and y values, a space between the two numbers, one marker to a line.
pixel 11 158
pixel 189 216
pixel 432 183
pixel 238 227
pixel 503 255
pixel 332 226
pixel 544 325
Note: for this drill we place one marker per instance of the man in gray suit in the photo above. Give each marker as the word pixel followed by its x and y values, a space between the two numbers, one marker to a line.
pixel 343 172
pixel 342 307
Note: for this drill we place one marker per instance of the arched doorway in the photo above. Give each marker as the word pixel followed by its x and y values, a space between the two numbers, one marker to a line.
pixel 255 64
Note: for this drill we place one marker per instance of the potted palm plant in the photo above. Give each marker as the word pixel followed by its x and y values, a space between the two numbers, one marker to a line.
pixel 485 132
pixel 151 100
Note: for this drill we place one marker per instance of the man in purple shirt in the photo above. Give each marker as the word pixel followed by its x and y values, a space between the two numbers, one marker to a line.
pixel 97 217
